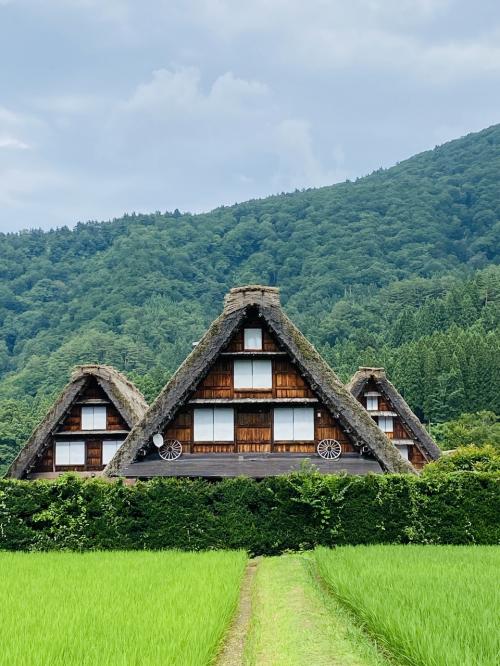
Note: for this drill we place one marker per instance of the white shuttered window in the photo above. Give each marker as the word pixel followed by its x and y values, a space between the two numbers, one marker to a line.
pixel 109 448
pixel 294 424
pixel 283 423
pixel 70 453
pixel 252 338
pixel 255 374
pixel 403 450
pixel 385 423
pixel 94 418
pixel 372 403
pixel 214 425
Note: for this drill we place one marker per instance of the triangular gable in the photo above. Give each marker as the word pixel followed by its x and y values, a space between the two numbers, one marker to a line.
pixel 127 399
pixel 364 376
pixel 265 300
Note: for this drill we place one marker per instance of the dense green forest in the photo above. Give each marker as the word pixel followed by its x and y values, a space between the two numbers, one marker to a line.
pixel 398 268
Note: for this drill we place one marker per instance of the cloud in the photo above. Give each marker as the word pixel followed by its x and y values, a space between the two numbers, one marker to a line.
pixel 12 143
pixel 299 164
pixel 117 106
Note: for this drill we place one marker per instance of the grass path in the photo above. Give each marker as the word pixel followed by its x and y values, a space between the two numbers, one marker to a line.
pixel 295 622
pixel 234 643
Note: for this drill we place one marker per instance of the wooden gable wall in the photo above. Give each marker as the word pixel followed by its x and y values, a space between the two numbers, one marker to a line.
pixel 253 423
pixel 91 394
pixel 400 431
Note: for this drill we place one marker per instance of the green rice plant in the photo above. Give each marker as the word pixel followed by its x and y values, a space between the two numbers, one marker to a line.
pixel 428 605
pixel 123 608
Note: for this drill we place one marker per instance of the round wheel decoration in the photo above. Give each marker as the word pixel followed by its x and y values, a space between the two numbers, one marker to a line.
pixel 171 449
pixel 329 449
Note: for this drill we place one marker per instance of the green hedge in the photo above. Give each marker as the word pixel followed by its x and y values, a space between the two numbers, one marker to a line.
pixel 267 517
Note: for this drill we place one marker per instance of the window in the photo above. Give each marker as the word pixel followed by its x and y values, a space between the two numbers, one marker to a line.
pixel 403 450
pixel 372 403
pixel 214 425
pixel 70 453
pixel 94 418
pixel 253 374
pixel 109 448
pixel 252 338
pixel 385 423
pixel 293 424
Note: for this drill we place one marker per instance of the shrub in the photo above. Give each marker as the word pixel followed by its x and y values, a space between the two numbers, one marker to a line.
pixel 467 459
pixel 294 512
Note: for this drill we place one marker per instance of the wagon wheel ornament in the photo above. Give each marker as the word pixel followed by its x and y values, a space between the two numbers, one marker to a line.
pixel 171 449
pixel 329 449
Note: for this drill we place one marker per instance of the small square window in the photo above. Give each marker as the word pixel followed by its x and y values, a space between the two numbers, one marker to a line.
pixel 94 418
pixel 372 403
pixel 385 423
pixel 403 450
pixel 253 338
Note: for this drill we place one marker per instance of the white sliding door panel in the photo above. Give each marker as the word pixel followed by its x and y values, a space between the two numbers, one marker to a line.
pixel 203 425
pixel 303 424
pixel 243 374
pixel 283 424
pixel 223 425
pixel 262 374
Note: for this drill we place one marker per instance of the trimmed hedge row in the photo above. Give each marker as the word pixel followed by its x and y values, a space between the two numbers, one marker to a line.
pixel 283 513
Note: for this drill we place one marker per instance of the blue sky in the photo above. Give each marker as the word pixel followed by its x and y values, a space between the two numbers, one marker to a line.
pixel 113 106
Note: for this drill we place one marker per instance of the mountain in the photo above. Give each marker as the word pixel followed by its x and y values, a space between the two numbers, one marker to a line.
pixel 398 268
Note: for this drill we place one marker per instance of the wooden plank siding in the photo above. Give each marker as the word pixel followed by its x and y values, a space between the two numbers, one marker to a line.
pixel 269 344
pixel 253 433
pixel 400 431
pixel 253 424
pixel 91 394
pixel 219 382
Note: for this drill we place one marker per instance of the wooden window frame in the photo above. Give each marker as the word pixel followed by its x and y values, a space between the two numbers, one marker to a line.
pixel 248 348
pixel 294 437
pixel 93 408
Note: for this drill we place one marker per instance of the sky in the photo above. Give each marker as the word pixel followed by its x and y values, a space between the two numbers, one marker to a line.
pixel 114 106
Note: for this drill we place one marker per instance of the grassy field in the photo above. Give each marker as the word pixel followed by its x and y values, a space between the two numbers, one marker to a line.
pixel 429 605
pixel 116 608
pixel 297 623
pixel 351 606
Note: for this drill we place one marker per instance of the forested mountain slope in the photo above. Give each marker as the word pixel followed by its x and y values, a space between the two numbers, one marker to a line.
pixel 397 268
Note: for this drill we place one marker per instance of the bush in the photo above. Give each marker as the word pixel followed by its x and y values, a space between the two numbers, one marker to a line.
pixel 294 512
pixel 466 459
pixel 477 429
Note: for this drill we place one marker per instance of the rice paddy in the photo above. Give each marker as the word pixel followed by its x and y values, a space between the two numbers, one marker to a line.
pixel 351 606
pixel 116 608
pixel 428 605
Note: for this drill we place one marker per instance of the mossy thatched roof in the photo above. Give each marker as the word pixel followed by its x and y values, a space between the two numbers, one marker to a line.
pixel 126 397
pixel 265 301
pixel 377 375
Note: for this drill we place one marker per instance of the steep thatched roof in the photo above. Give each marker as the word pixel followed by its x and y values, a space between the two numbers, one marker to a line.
pixel 265 300
pixel 127 399
pixel 377 375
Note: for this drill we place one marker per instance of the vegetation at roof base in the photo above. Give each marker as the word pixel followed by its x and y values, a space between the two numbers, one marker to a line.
pixel 467 459
pixel 397 269
pixel 468 429
pixel 411 600
pixel 267 517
